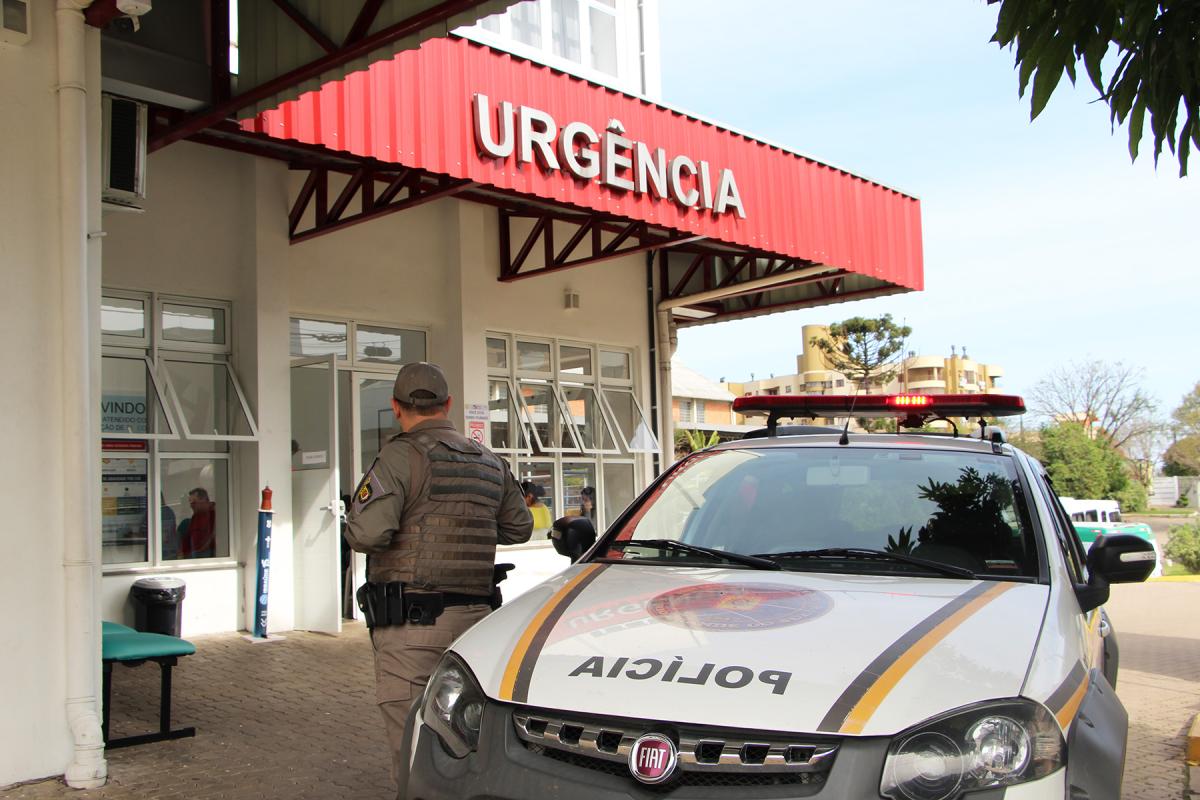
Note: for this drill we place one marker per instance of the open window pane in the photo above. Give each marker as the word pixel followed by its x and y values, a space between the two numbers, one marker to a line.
pixel 591 426
pixel 196 510
pixel 131 402
pixel 388 345
pixel 124 532
pixel 545 507
pixel 579 490
pixel 619 490
pixel 316 337
pixel 547 418
pixel 210 402
pixel 631 422
pixel 507 432
pixel 123 317
pixel 196 324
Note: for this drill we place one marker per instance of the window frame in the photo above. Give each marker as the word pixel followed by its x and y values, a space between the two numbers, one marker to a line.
pixel 133 354
pixel 190 358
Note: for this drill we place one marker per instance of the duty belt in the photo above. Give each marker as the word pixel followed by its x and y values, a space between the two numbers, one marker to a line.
pixel 395 603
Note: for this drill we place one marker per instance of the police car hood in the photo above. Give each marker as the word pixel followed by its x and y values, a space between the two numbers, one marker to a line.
pixel 785 651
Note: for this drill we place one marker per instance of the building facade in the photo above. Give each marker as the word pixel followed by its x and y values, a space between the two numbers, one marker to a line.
pixel 920 374
pixel 539 231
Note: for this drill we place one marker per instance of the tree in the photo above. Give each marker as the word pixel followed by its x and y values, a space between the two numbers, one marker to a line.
pixel 1157 60
pixel 1091 468
pixel 1183 457
pixel 864 349
pixel 1100 396
pixel 1187 415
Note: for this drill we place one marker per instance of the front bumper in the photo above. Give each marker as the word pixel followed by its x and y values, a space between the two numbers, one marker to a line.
pixel 504 768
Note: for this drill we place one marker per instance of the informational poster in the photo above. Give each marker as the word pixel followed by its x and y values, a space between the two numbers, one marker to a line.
pixel 123 492
pixel 123 413
pixel 476 415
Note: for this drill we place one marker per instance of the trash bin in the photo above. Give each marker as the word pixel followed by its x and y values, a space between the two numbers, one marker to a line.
pixel 158 604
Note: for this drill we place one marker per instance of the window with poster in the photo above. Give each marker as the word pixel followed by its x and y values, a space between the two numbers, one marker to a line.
pixel 568 417
pixel 171 408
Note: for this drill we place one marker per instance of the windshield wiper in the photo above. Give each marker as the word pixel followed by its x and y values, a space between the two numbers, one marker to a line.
pixel 757 562
pixel 867 553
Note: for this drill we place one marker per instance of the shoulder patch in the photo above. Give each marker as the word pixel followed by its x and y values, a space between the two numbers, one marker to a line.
pixel 370 489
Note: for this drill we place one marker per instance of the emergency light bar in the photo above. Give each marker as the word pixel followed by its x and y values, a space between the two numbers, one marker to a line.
pixel 913 409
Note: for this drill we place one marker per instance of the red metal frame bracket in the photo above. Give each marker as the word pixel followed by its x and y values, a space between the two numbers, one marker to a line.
pixel 417 188
pixel 586 244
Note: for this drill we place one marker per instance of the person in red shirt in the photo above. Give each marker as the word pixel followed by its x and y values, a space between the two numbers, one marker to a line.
pixel 198 535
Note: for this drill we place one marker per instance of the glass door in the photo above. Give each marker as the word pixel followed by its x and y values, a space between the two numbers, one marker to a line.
pixel 317 510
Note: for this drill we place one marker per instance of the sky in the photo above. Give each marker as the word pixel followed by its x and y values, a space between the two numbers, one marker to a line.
pixel 1043 244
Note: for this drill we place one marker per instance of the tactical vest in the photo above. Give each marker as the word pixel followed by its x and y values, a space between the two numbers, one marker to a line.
pixel 447 536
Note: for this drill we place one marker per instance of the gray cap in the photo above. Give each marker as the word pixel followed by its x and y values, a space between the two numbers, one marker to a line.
pixel 421 384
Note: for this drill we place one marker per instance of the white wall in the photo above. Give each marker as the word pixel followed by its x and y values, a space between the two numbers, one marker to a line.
pixel 33 726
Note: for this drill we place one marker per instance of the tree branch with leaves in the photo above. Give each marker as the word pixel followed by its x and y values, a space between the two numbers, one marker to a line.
pixel 1104 398
pixel 1157 58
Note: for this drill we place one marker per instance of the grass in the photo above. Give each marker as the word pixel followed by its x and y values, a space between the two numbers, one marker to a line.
pixel 1163 512
pixel 1175 571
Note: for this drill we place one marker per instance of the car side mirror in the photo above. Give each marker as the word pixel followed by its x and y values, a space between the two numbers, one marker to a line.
pixel 573 536
pixel 1120 558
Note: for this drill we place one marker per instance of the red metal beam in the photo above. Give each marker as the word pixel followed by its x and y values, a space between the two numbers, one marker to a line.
pixel 653 244
pixel 204 119
pixel 446 188
pixel 348 191
pixel 306 25
pixel 302 200
pixel 362 23
pixel 699 260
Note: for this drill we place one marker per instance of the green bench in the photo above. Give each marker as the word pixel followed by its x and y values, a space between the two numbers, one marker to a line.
pixel 124 645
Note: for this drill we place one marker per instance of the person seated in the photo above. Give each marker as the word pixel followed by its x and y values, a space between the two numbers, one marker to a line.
pixel 542 520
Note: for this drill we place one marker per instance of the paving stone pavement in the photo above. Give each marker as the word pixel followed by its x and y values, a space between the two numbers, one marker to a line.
pixel 1158 629
pixel 289 719
pixel 296 718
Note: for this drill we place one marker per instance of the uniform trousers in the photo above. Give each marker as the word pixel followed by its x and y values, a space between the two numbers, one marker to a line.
pixel 405 655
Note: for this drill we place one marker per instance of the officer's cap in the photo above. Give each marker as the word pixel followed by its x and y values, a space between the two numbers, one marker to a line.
pixel 421 384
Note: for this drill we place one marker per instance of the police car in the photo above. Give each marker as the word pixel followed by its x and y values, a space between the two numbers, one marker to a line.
pixel 832 615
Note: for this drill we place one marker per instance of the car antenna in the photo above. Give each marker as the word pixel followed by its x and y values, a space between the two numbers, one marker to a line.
pixel 844 439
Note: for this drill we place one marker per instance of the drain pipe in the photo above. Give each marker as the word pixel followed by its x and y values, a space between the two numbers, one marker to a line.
pixel 666 339
pixel 88 769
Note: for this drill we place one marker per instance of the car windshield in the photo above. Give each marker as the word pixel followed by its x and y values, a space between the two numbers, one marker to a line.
pixel 822 509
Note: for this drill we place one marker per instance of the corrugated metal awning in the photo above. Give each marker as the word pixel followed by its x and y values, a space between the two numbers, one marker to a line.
pixel 277 38
pixel 811 233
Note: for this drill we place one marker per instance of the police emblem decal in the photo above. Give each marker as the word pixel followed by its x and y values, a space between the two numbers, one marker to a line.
pixel 653 758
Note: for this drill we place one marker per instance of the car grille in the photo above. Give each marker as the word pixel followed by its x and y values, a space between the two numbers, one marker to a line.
pixel 706 757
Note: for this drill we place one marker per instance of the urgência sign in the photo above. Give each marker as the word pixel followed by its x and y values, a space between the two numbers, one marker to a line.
pixel 616 160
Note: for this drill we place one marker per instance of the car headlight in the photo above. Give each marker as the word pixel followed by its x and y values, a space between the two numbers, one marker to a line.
pixel 994 744
pixel 453 706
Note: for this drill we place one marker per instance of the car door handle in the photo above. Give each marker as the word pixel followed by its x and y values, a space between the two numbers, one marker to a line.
pixel 1105 628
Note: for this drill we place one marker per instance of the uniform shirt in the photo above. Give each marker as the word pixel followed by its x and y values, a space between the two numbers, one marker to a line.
pixel 372 524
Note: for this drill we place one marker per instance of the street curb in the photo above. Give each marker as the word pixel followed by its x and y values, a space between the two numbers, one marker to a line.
pixel 1175 579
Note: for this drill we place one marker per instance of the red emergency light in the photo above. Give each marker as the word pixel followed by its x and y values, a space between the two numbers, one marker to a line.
pixel 913 409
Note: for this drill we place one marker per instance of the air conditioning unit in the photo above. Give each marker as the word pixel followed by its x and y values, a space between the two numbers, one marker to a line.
pixel 15 21
pixel 124 146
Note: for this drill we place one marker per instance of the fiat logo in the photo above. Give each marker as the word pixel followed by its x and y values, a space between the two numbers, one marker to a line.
pixel 653 758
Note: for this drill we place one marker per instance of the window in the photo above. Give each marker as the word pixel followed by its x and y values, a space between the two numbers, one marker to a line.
pixel 584 36
pixel 359 344
pixel 171 407
pixel 567 414
pixel 700 407
pixel 685 410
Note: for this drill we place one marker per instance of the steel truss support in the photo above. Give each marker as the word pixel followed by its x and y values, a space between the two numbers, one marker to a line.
pixel 592 238
pixel 379 189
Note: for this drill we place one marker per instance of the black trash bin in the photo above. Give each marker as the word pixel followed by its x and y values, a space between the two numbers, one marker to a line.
pixel 158 604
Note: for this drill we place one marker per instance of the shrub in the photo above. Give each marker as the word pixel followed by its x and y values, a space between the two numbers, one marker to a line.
pixel 1182 502
pixel 1184 546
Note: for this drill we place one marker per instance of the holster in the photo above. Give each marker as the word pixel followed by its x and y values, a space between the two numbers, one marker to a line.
pixel 393 603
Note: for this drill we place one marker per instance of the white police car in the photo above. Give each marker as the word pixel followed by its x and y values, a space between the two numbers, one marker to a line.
pixel 821 615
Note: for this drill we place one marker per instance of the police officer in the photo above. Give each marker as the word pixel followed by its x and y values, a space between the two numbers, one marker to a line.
pixel 429 513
